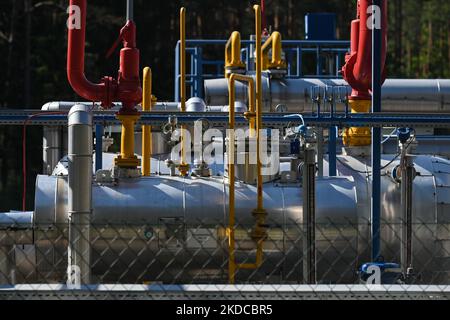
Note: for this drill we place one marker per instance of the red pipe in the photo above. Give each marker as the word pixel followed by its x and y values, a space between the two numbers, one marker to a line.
pixel 127 88
pixel 357 70
pixel 263 15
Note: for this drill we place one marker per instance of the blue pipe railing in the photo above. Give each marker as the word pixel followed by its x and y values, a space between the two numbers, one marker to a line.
pixel 295 50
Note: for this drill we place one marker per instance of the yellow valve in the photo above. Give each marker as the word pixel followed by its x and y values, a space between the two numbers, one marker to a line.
pixel 127 159
pixel 276 61
pixel 356 136
pixel 147 101
pixel 233 62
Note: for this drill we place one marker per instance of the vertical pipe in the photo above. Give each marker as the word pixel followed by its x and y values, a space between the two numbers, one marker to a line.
pixel 146 130
pixel 376 135
pixel 332 151
pixel 98 147
pixel 176 96
pixel 258 102
pixel 51 147
pixel 407 176
pixel 182 168
pixel 79 201
pixel 309 217
pixel 320 151
pixel 319 62
pixel 200 72
pixel 231 179
pixel 130 10
pixel 182 59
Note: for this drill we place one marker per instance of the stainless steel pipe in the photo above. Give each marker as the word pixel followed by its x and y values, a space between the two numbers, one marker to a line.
pixel 399 95
pixel 79 204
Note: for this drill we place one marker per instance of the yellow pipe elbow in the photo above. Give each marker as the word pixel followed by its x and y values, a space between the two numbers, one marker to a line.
pixel 233 60
pixel 276 61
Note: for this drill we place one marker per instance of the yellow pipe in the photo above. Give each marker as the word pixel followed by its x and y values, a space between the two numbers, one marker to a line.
pixel 183 167
pixel 259 213
pixel 232 266
pixel 233 54
pixel 276 61
pixel 259 232
pixel 127 159
pixel 146 130
pixel 257 10
pixel 231 181
pixel 358 136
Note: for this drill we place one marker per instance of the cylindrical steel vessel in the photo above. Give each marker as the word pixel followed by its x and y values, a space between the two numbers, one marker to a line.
pixel 399 95
pixel 187 217
pixel 171 229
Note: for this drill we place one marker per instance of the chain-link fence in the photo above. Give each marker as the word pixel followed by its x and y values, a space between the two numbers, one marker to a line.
pixel 178 251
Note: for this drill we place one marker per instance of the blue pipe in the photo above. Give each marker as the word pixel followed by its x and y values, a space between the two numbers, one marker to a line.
pixel 332 171
pixel 324 120
pixel 98 147
pixel 376 141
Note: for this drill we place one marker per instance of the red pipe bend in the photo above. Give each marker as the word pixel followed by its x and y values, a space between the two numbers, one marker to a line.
pixel 126 88
pixel 75 56
pixel 357 70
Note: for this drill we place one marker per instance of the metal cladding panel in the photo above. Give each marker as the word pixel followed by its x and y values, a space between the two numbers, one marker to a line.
pixel 45 198
pixel 196 199
pixel 399 95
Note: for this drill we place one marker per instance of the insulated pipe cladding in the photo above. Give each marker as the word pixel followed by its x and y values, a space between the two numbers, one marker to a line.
pixel 399 95
pixel 79 202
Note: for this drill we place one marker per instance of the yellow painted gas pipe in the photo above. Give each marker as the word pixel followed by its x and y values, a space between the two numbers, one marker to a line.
pixel 232 266
pixel 183 167
pixel 259 232
pixel 146 130
pixel 233 54
pixel 127 159
pixel 257 10
pixel 276 61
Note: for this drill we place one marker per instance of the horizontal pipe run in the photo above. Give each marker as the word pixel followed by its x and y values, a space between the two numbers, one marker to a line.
pixel 155 118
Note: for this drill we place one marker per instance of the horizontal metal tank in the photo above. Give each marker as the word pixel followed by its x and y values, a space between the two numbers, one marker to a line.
pixel 170 229
pixel 187 217
pixel 399 95
pixel 431 212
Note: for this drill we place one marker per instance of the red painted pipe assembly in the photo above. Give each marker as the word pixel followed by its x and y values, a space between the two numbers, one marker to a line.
pixel 357 70
pixel 126 88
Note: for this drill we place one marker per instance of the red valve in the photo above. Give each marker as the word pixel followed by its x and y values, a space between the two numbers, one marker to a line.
pixel 357 70
pixel 127 88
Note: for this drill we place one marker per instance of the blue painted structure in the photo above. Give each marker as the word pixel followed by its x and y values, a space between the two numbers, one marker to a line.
pixel 376 141
pixel 98 147
pixel 294 50
pixel 320 26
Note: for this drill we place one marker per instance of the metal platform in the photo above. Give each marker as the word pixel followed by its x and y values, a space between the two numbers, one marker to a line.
pixel 226 292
